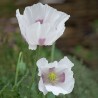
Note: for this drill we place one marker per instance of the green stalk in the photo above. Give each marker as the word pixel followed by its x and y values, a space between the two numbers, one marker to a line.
pixel 20 81
pixel 1 91
pixel 52 52
pixel 17 69
pixel 34 66
pixel 43 96
pixel 64 96
pixel 52 57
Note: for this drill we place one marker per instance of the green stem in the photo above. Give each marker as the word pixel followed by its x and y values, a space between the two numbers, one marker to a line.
pixel 34 66
pixel 3 88
pixel 52 52
pixel 21 80
pixel 17 69
pixel 38 53
pixel 64 96
pixel 43 96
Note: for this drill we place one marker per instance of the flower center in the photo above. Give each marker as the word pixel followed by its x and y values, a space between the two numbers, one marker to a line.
pixel 52 76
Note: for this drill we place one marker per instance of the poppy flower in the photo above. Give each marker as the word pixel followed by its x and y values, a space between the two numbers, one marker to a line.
pixel 41 24
pixel 55 77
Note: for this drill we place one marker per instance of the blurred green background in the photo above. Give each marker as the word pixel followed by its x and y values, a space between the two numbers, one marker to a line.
pixel 79 42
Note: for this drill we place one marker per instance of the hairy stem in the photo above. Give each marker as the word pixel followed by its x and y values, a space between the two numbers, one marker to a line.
pixel 52 52
pixel 34 66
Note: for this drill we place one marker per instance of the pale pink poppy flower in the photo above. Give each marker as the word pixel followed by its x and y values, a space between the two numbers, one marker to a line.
pixel 41 24
pixel 55 77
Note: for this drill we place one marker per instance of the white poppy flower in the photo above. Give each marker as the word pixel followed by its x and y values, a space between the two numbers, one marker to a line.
pixel 41 24
pixel 55 77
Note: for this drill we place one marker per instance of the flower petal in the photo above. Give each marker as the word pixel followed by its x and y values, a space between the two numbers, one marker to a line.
pixel 51 14
pixel 68 85
pixel 55 89
pixel 42 64
pixel 22 23
pixel 53 36
pixel 60 23
pixel 65 62
pixel 32 33
pixel 41 87
pixel 53 64
pixel 38 11
pixel 32 47
pixel 34 12
pixel 44 31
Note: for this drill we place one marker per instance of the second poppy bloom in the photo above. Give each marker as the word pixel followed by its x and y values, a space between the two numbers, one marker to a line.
pixel 55 77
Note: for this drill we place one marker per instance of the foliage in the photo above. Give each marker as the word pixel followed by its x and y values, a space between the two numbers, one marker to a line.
pixel 85 85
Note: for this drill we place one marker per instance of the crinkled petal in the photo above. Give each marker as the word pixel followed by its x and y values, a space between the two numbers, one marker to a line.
pixel 34 12
pixel 41 87
pixel 38 11
pixel 65 62
pixel 60 23
pixel 68 85
pixel 57 18
pixel 22 23
pixel 42 66
pixel 56 90
pixel 42 62
pixel 28 15
pixel 51 14
pixel 53 36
